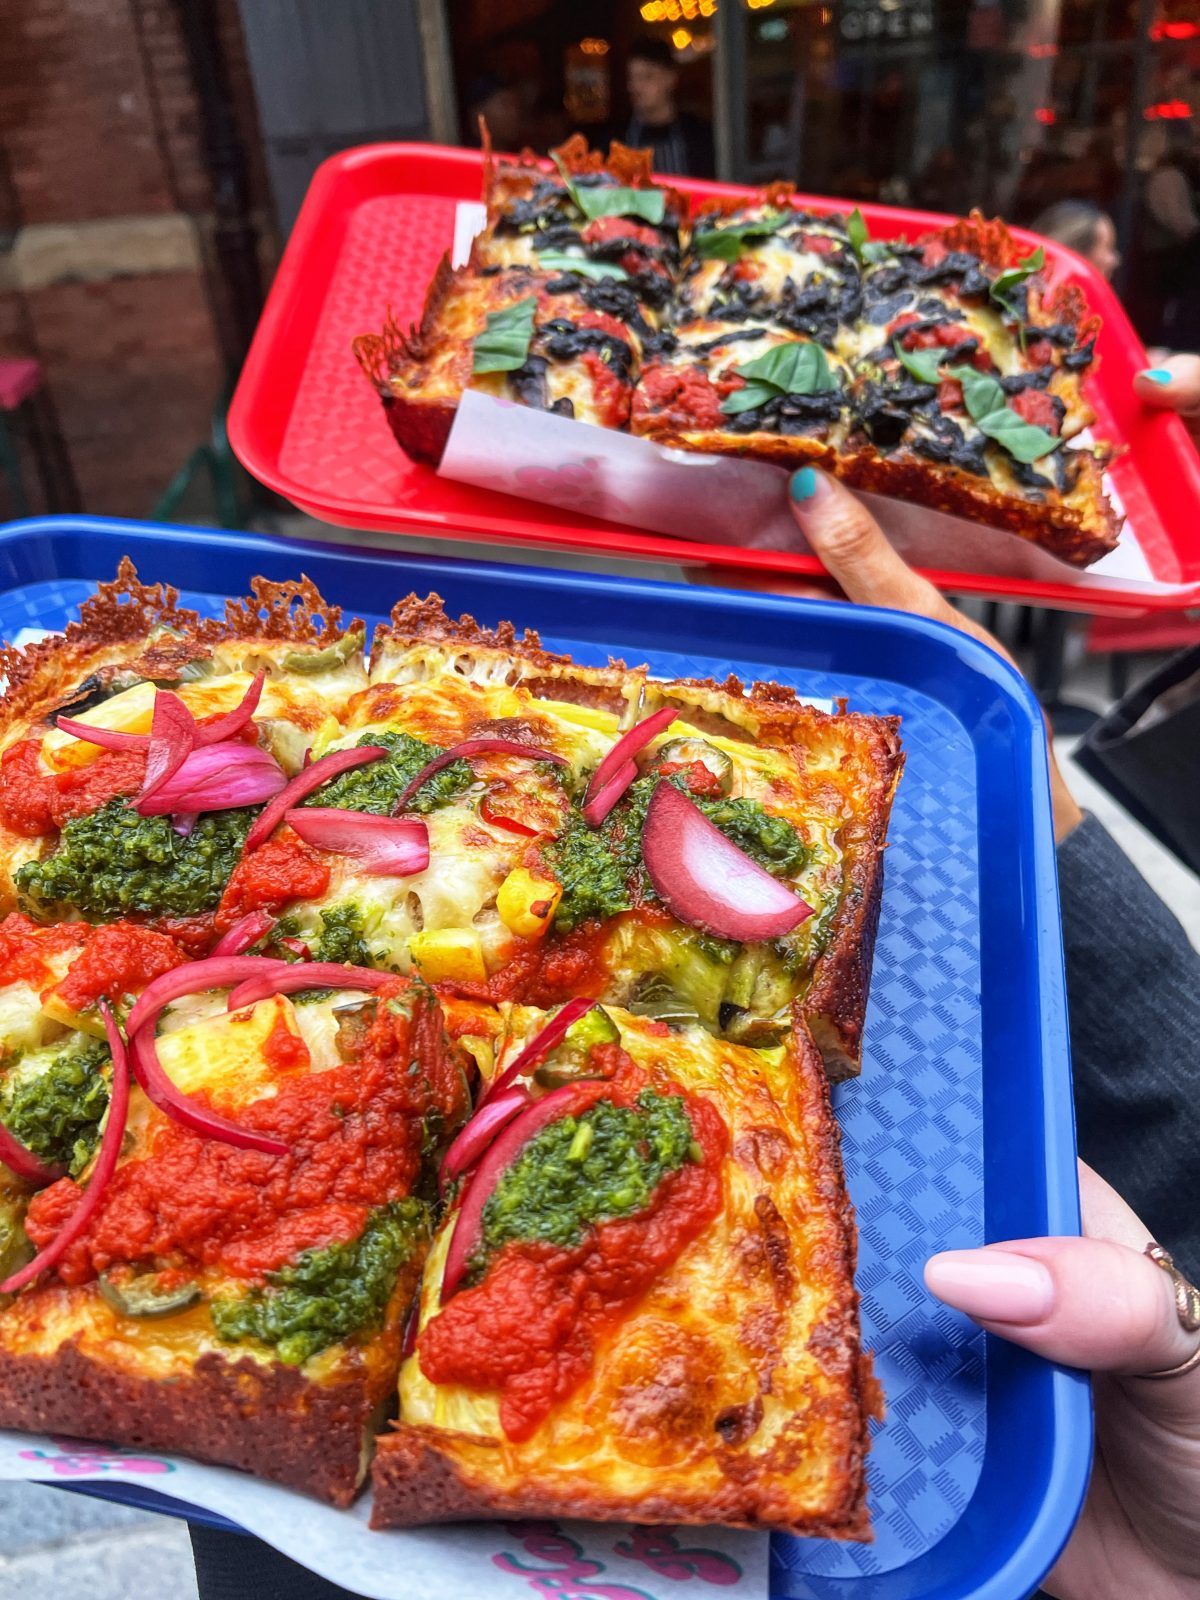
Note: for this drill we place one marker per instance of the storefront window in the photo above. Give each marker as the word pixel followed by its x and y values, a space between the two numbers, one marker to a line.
pixel 1011 106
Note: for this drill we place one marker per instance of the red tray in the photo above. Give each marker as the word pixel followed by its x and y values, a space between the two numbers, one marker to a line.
pixel 374 224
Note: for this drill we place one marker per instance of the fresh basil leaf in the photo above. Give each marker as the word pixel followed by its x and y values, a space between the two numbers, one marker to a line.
pixel 867 250
pixel 784 369
pixel 504 343
pixel 727 244
pixel 856 230
pixel 613 201
pixel 1012 276
pixel 986 405
pixel 922 364
pixel 560 261
pixel 749 398
pixel 981 393
pixel 799 368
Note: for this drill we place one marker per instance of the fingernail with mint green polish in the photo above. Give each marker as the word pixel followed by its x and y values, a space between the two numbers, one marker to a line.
pixel 1156 374
pixel 804 484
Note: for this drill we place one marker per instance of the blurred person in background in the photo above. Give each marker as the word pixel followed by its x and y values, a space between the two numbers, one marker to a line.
pixel 499 105
pixel 682 144
pixel 1084 228
pixel 1164 287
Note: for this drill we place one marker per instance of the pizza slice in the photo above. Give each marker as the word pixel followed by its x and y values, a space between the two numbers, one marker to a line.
pixel 249 694
pixel 943 372
pixel 641 1304
pixel 763 263
pixel 536 891
pixel 513 332
pixel 561 299
pixel 530 726
pixel 227 1275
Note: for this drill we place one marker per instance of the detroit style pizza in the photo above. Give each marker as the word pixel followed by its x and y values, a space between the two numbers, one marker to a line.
pixel 942 370
pixel 447 1027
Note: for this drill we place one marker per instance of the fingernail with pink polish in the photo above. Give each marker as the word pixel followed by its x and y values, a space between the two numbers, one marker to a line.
pixel 992 1285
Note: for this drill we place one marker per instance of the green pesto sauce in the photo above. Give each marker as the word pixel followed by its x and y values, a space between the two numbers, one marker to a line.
pixel 601 869
pixel 342 937
pixel 57 1113
pixel 113 862
pixel 377 786
pixel 566 1179
pixel 327 1295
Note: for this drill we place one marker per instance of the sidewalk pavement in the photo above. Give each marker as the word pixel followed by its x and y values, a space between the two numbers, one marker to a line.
pixel 54 1543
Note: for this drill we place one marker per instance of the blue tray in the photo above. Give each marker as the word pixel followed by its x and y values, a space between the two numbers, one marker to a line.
pixel 960 1128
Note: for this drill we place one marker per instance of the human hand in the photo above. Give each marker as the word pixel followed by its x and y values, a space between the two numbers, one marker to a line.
pixel 1100 1304
pixel 1173 385
pixel 855 551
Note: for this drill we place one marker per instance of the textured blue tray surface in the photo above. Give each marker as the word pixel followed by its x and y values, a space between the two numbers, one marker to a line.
pixel 913 1126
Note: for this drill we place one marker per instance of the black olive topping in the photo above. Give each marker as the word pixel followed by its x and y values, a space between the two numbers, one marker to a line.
pixel 1081 358
pixel 562 340
pixel 732 337
pixel 1027 380
pixel 528 382
pixel 881 312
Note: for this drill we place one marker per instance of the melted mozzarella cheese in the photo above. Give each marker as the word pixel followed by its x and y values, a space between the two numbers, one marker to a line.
pixel 467 865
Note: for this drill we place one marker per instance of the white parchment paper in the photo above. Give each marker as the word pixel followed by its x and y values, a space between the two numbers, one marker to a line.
pixel 497 444
pixel 471 1561
pixel 720 500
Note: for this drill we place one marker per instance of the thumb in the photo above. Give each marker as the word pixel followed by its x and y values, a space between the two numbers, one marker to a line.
pixel 1087 1303
pixel 853 548
pixel 1173 386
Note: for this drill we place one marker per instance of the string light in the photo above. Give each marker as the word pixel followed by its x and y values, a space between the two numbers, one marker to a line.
pixel 681 38
pixel 594 47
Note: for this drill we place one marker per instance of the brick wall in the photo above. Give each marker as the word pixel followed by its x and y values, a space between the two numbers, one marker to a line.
pixel 100 143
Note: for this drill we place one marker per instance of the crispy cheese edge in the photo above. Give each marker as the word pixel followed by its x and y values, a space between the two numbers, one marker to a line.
pixel 130 624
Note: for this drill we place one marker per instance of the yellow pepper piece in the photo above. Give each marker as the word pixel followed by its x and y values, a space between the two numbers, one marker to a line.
pixel 582 716
pixel 444 954
pixel 59 1011
pixel 130 712
pixel 527 904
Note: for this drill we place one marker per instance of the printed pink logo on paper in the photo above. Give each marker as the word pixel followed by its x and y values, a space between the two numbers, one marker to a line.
pixel 572 484
pixel 660 1551
pixel 568 1573
pixel 74 1458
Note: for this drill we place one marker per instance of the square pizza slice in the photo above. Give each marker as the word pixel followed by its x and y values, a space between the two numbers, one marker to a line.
pixel 945 372
pixel 641 1304
pixel 552 341
pixel 562 297
pixel 249 692
pixel 237 1285
pixel 534 891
